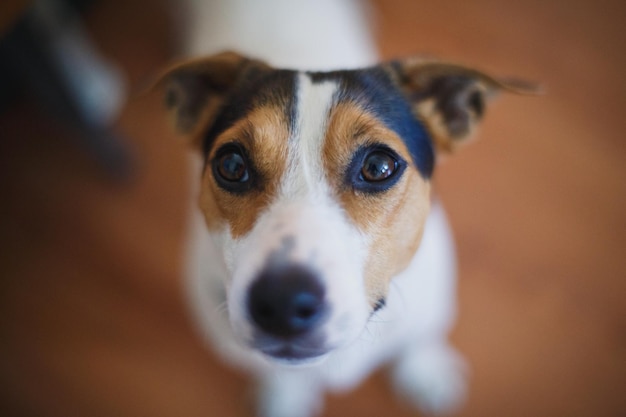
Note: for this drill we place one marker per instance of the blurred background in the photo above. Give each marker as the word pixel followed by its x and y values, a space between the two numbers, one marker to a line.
pixel 94 199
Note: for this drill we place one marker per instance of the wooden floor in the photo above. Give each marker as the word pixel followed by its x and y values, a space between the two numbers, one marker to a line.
pixel 91 317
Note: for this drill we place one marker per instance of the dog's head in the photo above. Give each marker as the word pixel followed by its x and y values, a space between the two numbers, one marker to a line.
pixel 317 185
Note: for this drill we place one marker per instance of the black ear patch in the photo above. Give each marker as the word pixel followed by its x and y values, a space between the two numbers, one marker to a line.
pixel 458 99
pixel 187 95
pixel 450 99
pixel 195 89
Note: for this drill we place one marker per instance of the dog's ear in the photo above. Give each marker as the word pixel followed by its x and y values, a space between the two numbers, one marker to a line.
pixel 449 98
pixel 195 89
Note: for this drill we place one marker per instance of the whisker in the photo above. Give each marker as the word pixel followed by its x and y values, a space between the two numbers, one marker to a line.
pixel 222 309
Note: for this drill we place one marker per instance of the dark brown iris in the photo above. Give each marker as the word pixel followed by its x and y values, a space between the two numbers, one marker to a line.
pixel 378 166
pixel 232 167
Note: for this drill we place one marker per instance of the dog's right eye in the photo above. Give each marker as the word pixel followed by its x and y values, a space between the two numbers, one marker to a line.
pixel 231 169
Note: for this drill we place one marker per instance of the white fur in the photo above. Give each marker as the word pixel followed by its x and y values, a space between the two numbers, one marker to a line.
pixel 304 173
pixel 411 330
pixel 307 35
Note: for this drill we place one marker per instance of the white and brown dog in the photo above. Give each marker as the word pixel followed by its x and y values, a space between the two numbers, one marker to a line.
pixel 317 254
pixel 321 255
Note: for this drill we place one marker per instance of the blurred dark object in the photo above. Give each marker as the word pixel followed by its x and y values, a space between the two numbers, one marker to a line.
pixel 47 55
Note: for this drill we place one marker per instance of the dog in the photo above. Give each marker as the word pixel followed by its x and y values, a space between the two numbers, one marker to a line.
pixel 319 254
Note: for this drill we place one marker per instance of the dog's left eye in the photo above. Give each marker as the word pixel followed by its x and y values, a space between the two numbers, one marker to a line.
pixel 374 169
pixel 378 166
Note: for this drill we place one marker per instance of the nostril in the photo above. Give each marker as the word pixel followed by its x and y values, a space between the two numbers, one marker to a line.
pixel 286 302
pixel 305 312
pixel 306 307
pixel 263 311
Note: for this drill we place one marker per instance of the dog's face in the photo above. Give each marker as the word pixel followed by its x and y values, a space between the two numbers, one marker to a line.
pixel 316 186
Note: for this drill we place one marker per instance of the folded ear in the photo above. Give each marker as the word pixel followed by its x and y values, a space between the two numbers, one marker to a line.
pixel 449 98
pixel 196 89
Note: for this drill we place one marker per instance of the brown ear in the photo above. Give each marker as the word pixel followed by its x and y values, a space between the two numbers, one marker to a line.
pixel 195 89
pixel 449 98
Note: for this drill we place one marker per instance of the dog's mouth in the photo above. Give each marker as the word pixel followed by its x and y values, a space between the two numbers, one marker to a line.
pixel 292 352
pixel 294 355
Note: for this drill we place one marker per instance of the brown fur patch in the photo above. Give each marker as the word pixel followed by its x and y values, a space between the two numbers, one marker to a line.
pixel 393 220
pixel 264 134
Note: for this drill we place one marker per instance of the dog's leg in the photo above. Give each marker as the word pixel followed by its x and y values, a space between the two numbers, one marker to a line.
pixel 431 376
pixel 289 394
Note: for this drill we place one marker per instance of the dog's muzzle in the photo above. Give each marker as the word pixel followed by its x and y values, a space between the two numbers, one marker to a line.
pixel 287 306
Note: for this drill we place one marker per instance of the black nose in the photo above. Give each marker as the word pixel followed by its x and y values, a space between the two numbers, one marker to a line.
pixel 287 301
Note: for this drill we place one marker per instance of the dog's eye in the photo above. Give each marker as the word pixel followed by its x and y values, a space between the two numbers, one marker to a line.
pixel 378 166
pixel 233 170
pixel 231 166
pixel 374 169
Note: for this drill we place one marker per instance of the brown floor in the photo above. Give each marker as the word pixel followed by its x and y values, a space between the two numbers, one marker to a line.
pixel 91 317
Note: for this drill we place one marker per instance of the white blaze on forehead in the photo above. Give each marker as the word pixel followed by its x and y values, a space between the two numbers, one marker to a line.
pixel 305 173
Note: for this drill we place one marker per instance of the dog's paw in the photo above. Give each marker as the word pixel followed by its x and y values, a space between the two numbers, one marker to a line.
pixel 288 396
pixel 431 378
